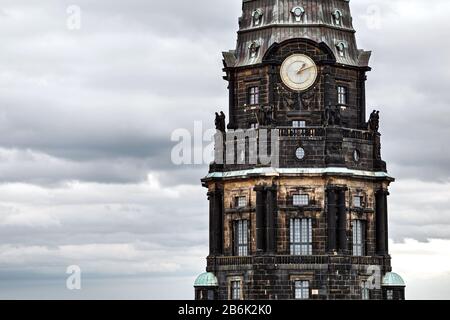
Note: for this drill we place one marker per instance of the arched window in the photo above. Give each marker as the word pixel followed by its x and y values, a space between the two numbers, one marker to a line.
pixel 298 13
pixel 337 17
pixel 341 47
pixel 257 16
pixel 254 48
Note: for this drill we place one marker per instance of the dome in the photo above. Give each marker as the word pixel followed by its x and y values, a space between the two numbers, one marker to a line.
pixel 207 279
pixel 392 279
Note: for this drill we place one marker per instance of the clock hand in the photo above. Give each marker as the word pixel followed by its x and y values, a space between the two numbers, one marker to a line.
pixel 301 68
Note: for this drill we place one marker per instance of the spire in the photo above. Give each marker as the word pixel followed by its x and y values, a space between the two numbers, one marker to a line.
pixel 266 22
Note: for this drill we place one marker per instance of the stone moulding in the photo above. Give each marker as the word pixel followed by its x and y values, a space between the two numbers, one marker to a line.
pixel 274 172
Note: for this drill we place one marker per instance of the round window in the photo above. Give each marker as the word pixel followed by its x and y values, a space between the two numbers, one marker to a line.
pixel 356 155
pixel 300 153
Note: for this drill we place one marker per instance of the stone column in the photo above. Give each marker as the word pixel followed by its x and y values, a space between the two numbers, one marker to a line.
pixel 260 219
pixel 329 88
pixel 231 101
pixel 342 221
pixel 331 218
pixel 386 222
pixel 381 222
pixel 362 100
pixel 271 215
pixel 215 222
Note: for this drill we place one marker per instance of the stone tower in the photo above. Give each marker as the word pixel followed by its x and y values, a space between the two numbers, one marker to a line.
pixel 312 221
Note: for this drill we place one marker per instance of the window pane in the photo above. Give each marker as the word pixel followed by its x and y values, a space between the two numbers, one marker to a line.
pixel 242 237
pixel 299 124
pixel 365 294
pixel 357 201
pixel 342 95
pixel 301 237
pixel 390 295
pixel 241 202
pixel 253 95
pixel 300 199
pixel 236 290
pixel 301 289
pixel 358 237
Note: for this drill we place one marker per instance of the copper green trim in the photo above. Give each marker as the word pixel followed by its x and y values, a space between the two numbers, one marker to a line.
pixel 207 279
pixel 392 279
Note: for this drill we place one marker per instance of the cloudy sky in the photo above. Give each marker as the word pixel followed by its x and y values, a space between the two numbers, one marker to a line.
pixel 86 117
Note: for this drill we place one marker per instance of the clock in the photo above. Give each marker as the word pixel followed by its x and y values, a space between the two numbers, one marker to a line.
pixel 298 72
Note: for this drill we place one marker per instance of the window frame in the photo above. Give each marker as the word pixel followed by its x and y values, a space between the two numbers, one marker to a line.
pixel 389 294
pixel 299 287
pixel 240 202
pixel 355 204
pixel 300 203
pixel 253 95
pixel 342 95
pixel 233 289
pixel 241 238
pixel 300 237
pixel 299 124
pixel 359 238
pixel 365 293
pixel 337 21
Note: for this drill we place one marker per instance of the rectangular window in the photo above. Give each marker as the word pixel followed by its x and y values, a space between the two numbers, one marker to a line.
pixel 241 238
pixel 365 294
pixel 390 295
pixel 235 290
pixel 342 95
pixel 240 202
pixel 301 237
pixel 299 124
pixel 359 234
pixel 253 95
pixel 300 200
pixel 302 290
pixel 357 201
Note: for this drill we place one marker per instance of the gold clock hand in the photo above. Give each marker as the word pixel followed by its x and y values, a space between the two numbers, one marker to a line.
pixel 303 69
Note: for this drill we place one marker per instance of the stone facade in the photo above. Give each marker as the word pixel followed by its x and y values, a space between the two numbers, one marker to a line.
pixel 340 175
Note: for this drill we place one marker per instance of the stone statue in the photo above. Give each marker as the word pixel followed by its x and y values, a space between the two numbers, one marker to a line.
pixel 220 121
pixel 332 116
pixel 374 121
pixel 307 98
pixel 266 116
pixel 285 101
pixel 337 116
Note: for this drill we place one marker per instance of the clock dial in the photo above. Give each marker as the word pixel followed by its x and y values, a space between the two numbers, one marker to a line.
pixel 298 72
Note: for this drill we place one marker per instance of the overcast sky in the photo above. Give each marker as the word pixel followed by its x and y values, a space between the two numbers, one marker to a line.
pixel 86 117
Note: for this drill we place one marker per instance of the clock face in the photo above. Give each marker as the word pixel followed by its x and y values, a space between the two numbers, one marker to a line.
pixel 299 72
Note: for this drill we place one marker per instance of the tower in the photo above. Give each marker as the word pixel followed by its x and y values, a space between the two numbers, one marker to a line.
pixel 298 190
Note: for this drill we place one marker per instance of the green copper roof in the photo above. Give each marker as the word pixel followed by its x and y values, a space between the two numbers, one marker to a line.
pixel 207 279
pixel 392 279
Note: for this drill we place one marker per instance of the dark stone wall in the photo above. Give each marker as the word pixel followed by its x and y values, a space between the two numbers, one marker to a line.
pixel 266 77
pixel 330 277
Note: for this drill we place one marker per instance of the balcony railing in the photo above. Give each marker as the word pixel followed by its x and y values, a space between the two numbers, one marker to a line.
pixel 358 134
pixel 307 132
pixel 316 132
pixel 290 260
